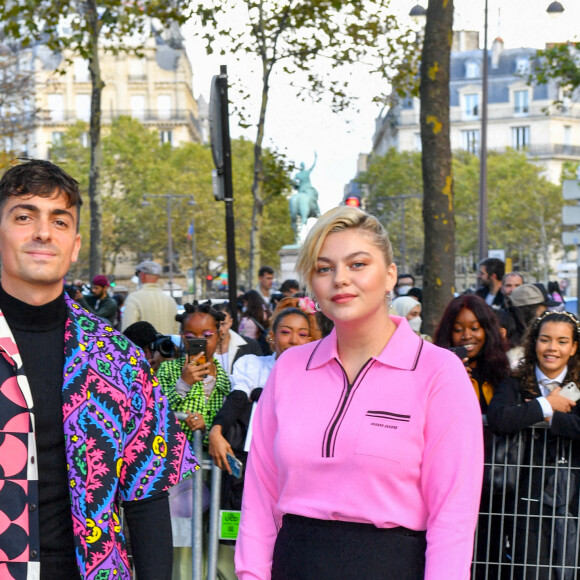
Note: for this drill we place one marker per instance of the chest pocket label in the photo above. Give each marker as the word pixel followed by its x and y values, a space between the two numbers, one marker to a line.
pixel 382 434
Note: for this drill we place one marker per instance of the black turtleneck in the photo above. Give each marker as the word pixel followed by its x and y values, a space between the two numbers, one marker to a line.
pixel 39 334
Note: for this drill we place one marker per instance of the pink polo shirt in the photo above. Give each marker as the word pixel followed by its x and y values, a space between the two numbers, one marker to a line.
pixel 401 446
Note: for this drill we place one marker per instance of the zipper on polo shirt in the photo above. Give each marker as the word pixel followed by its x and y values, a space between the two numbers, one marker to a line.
pixel 331 432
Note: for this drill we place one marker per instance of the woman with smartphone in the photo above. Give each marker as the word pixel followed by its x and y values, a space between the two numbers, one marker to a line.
pixel 195 384
pixel 367 455
pixel 470 323
pixel 545 391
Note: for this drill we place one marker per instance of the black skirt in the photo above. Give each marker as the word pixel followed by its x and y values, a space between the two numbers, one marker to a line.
pixel 311 549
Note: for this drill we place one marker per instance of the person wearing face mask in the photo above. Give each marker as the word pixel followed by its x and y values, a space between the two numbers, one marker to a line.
pixel 404 283
pixel 410 309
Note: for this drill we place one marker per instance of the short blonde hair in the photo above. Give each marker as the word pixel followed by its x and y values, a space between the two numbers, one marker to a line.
pixel 340 219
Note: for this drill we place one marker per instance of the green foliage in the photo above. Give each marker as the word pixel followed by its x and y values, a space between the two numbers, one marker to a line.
pixel 524 208
pixel 393 176
pixel 559 62
pixel 135 164
pixel 111 20
pixel 296 35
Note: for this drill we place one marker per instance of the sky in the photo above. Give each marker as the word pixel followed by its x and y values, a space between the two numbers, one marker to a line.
pixel 300 129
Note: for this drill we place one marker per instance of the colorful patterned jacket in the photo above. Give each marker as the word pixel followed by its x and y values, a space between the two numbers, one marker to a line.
pixel 121 445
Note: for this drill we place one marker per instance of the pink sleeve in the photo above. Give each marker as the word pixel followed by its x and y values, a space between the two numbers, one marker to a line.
pixel 260 518
pixel 452 473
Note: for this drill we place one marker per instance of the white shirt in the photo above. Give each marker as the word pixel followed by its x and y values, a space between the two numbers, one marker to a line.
pixel 251 372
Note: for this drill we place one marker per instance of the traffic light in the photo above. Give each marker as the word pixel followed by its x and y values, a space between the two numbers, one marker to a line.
pixel 353 201
pixel 209 277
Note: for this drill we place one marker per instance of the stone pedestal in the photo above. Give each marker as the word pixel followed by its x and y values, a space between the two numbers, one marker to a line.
pixel 288 256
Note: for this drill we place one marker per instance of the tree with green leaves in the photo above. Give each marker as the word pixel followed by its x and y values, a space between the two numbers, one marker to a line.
pixel 559 63
pixel 135 164
pixel 395 195
pixel 523 215
pixel 92 26
pixel 301 39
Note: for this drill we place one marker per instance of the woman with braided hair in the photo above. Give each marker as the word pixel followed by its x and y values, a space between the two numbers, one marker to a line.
pixel 192 386
pixel 546 500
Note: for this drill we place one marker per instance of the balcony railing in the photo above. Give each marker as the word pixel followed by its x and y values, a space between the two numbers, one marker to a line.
pixel 145 115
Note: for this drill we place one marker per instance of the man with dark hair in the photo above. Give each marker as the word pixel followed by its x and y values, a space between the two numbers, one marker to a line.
pixel 265 281
pixel 99 302
pixel 489 276
pixel 289 287
pixel 83 423
pixel 404 283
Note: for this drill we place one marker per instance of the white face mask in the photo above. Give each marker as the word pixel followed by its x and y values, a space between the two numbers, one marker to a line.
pixel 415 323
pixel 403 290
pixel 135 280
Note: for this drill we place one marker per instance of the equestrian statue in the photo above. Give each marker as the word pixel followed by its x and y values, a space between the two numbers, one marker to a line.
pixel 304 203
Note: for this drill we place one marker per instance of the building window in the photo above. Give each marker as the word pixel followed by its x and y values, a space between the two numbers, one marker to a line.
pixel 521 102
pixel 471 70
pixel 81 69
pixel 418 142
pixel 520 137
pixel 83 105
pixel 166 137
pixel 471 106
pixel 138 107
pixel 55 107
pixel 137 70
pixel 56 137
pixel 470 140
pixel 523 66
pixel 164 106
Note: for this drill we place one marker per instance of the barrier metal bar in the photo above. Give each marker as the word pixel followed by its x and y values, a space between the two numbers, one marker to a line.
pixel 528 524
pixel 214 517
pixel 197 519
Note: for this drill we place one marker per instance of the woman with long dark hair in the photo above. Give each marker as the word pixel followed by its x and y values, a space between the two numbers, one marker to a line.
pixel 469 322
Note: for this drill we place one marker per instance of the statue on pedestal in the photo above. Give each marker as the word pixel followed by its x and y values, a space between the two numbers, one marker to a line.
pixel 304 203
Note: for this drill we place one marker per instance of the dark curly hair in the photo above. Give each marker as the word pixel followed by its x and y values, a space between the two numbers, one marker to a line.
pixel 492 362
pixel 527 366
pixel 203 308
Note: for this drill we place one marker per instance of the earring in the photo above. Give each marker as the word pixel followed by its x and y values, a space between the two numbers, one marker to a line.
pixel 316 306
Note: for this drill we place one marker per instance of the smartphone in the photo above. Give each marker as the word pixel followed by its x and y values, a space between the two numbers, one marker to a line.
pixel 235 465
pixel 460 351
pixel 570 391
pixel 195 346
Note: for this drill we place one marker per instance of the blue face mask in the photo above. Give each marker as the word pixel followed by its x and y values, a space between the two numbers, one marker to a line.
pixel 403 290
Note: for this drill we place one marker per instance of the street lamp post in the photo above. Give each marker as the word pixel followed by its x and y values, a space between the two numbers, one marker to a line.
pixel 482 238
pixel 169 197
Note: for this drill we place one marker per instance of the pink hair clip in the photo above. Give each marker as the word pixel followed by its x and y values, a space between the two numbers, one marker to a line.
pixel 306 304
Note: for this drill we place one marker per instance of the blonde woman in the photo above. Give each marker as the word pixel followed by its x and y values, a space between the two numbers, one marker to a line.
pixel 367 453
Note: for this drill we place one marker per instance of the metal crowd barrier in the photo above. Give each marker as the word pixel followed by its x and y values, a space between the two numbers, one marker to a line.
pixel 197 519
pixel 528 519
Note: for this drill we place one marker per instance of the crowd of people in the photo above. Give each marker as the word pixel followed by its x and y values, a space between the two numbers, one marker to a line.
pixel 352 442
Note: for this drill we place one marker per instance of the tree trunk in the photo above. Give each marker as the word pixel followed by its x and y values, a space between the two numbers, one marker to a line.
pixel 258 184
pixel 95 200
pixel 438 218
